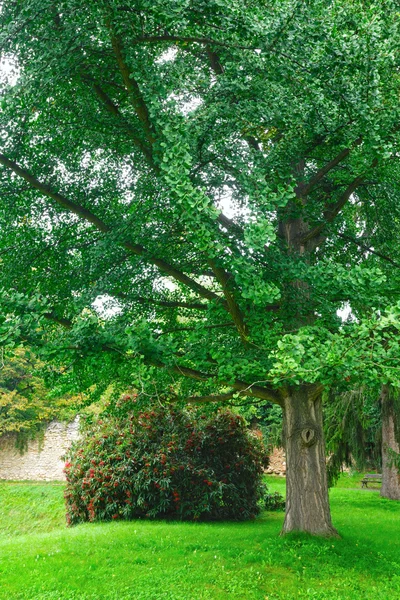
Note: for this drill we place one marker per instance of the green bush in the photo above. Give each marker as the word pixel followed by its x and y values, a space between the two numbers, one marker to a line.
pixel 166 463
pixel 274 501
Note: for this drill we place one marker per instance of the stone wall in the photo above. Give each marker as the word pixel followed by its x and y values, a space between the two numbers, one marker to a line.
pixel 42 459
pixel 277 462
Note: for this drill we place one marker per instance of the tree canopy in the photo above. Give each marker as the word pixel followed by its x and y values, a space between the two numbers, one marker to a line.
pixel 222 174
pixel 26 405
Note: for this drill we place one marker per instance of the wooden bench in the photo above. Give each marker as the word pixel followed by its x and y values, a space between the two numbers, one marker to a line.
pixel 371 477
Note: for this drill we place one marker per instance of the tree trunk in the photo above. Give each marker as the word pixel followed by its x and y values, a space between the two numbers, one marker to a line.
pixel 307 502
pixel 390 474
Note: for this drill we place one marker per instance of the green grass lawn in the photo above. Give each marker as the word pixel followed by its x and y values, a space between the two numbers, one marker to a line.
pixel 145 560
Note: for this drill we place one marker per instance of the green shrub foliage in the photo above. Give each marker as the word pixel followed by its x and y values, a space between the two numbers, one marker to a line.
pixel 274 501
pixel 166 463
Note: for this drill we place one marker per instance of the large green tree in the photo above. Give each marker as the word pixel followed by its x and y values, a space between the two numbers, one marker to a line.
pixel 126 127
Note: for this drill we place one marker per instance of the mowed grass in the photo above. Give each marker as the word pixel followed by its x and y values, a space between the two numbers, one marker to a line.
pixel 40 559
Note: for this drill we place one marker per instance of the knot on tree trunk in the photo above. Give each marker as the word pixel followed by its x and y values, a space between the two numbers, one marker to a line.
pixel 308 436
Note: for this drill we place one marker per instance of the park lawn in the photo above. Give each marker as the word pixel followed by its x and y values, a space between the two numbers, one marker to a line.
pixel 152 560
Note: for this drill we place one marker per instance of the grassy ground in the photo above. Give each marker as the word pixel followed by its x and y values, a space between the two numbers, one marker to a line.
pixel 42 560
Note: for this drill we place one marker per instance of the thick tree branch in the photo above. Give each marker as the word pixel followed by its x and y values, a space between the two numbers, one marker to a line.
pixel 114 110
pixel 230 225
pixel 132 87
pixel 248 389
pixel 332 211
pixel 51 316
pixel 326 168
pixel 214 61
pixel 88 216
pixel 245 389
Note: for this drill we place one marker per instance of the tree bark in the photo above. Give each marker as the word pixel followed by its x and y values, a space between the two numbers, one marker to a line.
pixel 307 501
pixel 390 474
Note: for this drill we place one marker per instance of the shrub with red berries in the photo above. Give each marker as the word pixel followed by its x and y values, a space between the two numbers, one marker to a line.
pixel 165 463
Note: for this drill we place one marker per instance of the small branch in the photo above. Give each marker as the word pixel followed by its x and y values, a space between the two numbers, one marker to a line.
pixel 173 304
pixel 205 41
pixel 368 249
pixel 114 110
pixel 8 249
pixel 328 167
pixel 229 224
pixel 51 316
pixel 332 211
pixel 224 279
pixel 252 142
pixel 132 87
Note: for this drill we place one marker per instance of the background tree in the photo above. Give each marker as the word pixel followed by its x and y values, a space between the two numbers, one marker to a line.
pixel 26 405
pixel 127 130
pixel 353 430
pixel 390 407
pixel 362 431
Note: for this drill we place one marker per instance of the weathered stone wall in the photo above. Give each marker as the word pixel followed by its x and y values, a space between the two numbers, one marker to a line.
pixel 277 462
pixel 42 459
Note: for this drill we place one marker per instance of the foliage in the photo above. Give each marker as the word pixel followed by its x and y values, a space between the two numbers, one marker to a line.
pixel 353 431
pixel 124 128
pixel 26 405
pixel 129 130
pixel 274 501
pixel 265 416
pixel 165 463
